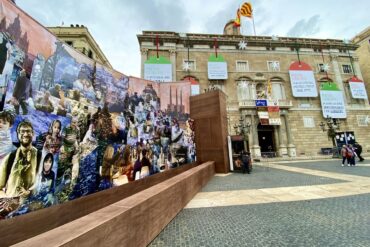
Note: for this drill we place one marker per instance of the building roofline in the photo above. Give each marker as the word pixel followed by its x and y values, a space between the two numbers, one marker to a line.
pixel 251 40
pixel 362 35
pixel 90 37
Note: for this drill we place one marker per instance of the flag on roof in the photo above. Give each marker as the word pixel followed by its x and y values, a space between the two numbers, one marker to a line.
pixel 246 10
pixel 237 19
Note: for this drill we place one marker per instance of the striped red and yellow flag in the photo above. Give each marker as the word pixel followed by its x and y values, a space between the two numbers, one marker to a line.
pixel 237 19
pixel 246 10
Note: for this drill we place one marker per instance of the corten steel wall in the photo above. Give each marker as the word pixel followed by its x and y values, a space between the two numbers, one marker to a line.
pixel 29 225
pixel 133 221
pixel 209 112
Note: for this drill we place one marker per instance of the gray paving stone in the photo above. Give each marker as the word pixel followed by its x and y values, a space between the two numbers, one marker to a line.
pixel 262 177
pixel 342 221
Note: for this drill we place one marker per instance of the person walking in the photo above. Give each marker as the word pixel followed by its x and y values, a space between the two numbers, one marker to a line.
pixel 343 152
pixel 351 155
pixel 358 150
pixel 245 162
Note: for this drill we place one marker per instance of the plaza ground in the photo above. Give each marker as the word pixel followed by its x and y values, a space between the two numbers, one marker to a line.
pixel 282 203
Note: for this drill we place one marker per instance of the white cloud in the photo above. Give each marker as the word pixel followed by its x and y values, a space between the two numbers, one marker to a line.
pixel 115 23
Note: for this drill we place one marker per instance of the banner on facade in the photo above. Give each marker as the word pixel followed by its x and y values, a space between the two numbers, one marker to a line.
pixel 217 68
pixel 274 121
pixel 274 115
pixel 357 88
pixel 302 80
pixel 263 114
pixel 332 101
pixel 158 69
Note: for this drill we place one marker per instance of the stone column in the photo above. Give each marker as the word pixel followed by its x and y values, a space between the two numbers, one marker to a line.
pixel 283 151
pixel 338 77
pixel 291 146
pixel 173 62
pixel 255 148
pixel 144 57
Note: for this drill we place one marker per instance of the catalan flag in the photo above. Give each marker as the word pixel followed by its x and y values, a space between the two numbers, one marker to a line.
pixel 246 10
pixel 237 19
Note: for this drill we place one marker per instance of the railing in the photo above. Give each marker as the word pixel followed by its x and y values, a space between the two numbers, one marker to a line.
pixel 283 103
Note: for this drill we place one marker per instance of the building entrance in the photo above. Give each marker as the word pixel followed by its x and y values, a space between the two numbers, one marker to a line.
pixel 266 140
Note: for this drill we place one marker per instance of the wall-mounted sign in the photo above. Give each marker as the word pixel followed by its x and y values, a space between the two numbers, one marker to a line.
pixel 217 68
pixel 261 102
pixel 357 87
pixel 302 80
pixel 158 69
pixel 332 101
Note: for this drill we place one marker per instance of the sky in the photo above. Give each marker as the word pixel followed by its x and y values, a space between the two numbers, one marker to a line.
pixel 114 24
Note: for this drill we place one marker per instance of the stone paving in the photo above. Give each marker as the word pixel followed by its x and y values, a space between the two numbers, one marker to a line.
pixel 316 203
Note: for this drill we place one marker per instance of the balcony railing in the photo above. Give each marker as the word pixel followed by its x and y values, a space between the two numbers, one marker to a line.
pixel 282 103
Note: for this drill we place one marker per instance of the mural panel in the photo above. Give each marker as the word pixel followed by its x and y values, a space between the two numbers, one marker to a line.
pixel 70 127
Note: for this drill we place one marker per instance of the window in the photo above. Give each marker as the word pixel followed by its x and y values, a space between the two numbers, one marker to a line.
pixel 242 66
pixel 273 65
pixel 190 64
pixel 362 120
pixel 70 43
pixel 347 69
pixel 243 90
pixel 321 68
pixel 90 54
pixel 218 84
pixel 308 122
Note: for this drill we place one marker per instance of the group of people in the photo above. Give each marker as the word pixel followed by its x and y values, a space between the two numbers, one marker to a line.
pixel 350 152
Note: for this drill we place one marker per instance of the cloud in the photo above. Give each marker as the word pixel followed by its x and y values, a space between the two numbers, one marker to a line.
pixel 304 28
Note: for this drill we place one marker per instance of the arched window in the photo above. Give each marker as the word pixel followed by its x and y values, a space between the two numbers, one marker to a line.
pixel 277 88
pixel 244 89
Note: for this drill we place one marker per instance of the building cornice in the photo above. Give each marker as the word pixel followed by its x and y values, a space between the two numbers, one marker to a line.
pixel 190 39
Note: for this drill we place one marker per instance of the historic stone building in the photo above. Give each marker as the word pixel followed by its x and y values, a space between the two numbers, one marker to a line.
pixel 79 37
pixel 363 53
pixel 258 68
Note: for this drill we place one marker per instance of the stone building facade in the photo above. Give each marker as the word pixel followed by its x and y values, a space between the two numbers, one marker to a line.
pixel 249 70
pixel 79 37
pixel 363 53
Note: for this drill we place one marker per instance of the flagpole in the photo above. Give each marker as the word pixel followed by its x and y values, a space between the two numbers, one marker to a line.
pixel 254 28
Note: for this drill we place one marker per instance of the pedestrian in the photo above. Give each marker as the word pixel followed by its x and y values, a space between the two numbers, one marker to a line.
pixel 343 152
pixel 358 150
pixel 245 162
pixel 351 155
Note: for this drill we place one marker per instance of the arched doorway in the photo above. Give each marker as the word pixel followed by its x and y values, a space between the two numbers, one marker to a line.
pixel 266 140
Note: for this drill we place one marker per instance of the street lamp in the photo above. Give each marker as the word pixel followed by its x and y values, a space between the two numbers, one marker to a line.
pixel 242 128
pixel 331 126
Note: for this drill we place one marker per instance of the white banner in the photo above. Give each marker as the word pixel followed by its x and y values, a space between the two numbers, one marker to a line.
pixel 274 121
pixel 332 104
pixel 158 72
pixel 358 90
pixel 303 83
pixel 263 114
pixel 217 70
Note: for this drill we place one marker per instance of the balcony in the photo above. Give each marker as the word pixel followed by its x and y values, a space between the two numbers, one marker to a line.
pixel 282 103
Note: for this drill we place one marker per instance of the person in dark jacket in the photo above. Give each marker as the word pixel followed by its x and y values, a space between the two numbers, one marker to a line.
pixel 358 150
pixel 22 91
pixel 245 162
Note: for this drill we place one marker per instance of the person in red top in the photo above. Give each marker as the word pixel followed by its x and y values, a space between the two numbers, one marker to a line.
pixel 343 152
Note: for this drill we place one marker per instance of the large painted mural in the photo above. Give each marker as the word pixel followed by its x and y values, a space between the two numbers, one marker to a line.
pixel 70 127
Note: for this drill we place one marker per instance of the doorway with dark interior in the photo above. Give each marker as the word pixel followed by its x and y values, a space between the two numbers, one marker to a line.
pixel 266 140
